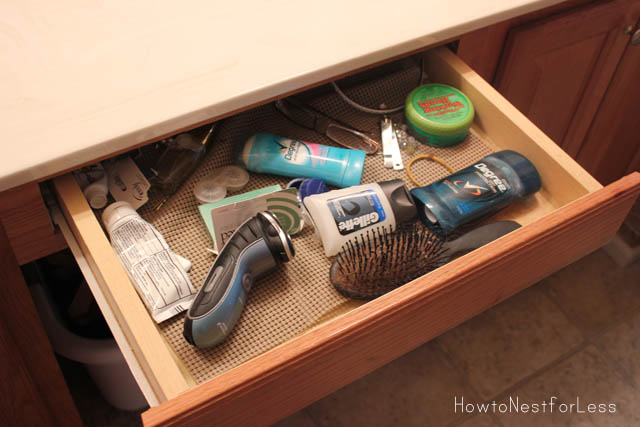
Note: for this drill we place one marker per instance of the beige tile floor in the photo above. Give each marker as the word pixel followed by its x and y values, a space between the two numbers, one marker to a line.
pixel 573 338
pixel 575 335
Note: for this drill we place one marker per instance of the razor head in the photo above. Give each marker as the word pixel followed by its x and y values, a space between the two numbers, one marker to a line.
pixel 277 239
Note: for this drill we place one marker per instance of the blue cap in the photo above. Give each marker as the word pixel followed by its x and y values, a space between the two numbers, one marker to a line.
pixel 527 172
pixel 353 172
pixel 308 186
pixel 311 186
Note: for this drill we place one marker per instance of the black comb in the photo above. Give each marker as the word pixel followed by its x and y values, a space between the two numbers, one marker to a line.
pixel 382 260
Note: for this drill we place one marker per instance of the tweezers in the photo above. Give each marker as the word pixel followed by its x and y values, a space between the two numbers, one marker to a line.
pixel 307 117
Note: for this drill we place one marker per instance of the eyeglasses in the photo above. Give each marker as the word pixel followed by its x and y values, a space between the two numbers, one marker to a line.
pixel 340 133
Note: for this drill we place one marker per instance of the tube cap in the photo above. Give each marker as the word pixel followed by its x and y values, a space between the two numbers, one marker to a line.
pixel 527 172
pixel 402 204
pixel 115 212
pixel 96 196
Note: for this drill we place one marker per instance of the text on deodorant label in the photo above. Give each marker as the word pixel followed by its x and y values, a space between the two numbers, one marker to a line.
pixel 356 211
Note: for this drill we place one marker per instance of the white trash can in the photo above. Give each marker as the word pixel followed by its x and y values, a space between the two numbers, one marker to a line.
pixel 101 357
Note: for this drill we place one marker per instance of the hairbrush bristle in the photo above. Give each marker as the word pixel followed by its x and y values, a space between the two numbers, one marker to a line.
pixel 381 260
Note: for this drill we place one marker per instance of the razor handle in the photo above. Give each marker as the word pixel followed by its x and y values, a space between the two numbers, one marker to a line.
pixel 254 250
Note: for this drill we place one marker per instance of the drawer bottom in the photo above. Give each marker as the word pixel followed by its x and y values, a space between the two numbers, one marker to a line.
pixel 298 296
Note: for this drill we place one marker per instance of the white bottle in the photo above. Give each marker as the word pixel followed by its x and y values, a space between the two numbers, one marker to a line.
pixel 95 185
pixel 96 192
pixel 158 273
pixel 342 215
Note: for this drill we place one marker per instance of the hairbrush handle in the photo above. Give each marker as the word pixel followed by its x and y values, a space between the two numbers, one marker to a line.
pixel 478 237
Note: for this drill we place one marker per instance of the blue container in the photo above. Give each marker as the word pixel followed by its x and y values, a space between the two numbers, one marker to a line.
pixel 481 189
pixel 268 153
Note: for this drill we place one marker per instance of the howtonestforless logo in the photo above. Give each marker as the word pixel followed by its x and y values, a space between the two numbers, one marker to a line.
pixel 516 406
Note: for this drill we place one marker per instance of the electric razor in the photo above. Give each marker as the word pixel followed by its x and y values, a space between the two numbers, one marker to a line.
pixel 255 249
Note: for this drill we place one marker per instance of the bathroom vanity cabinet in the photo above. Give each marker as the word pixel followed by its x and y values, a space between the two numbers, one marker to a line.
pixel 571 216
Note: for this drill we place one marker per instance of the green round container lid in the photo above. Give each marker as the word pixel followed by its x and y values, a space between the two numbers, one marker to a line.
pixel 439 109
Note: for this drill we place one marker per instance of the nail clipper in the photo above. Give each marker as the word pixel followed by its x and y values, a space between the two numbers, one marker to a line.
pixel 390 147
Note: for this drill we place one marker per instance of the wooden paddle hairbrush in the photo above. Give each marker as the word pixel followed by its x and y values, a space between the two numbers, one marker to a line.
pixel 381 261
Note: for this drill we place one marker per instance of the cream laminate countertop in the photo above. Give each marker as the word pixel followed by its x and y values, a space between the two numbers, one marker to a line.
pixel 80 80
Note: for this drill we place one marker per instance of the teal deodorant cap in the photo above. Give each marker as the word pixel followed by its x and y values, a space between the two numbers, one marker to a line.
pixel 269 153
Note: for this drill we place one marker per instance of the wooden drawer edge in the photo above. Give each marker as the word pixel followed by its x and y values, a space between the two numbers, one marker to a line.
pixel 301 371
pixel 105 308
pixel 158 362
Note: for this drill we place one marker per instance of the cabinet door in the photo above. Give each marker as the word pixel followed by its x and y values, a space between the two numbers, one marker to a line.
pixel 32 391
pixel 612 145
pixel 557 70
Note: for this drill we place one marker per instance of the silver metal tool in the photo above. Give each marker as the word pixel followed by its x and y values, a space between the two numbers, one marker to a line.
pixel 390 147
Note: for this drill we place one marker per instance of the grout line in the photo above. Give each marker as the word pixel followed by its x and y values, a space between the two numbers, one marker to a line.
pixel 509 390
pixel 446 358
pixel 554 300
pixel 496 420
pixel 586 335
pixel 626 376
pixel 447 361
pixel 595 341
pixel 449 358
pixel 608 328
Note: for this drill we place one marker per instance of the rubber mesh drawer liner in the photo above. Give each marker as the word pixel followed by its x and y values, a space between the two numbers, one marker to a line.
pixel 298 296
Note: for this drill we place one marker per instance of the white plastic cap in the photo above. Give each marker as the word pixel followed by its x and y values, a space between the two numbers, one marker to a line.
pixel 246 151
pixel 96 196
pixel 208 191
pixel 184 263
pixel 232 177
pixel 115 212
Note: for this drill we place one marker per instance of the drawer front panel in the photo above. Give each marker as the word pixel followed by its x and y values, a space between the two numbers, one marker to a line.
pixel 26 220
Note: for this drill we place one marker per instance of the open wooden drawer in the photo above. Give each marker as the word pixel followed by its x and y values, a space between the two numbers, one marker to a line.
pixel 571 216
